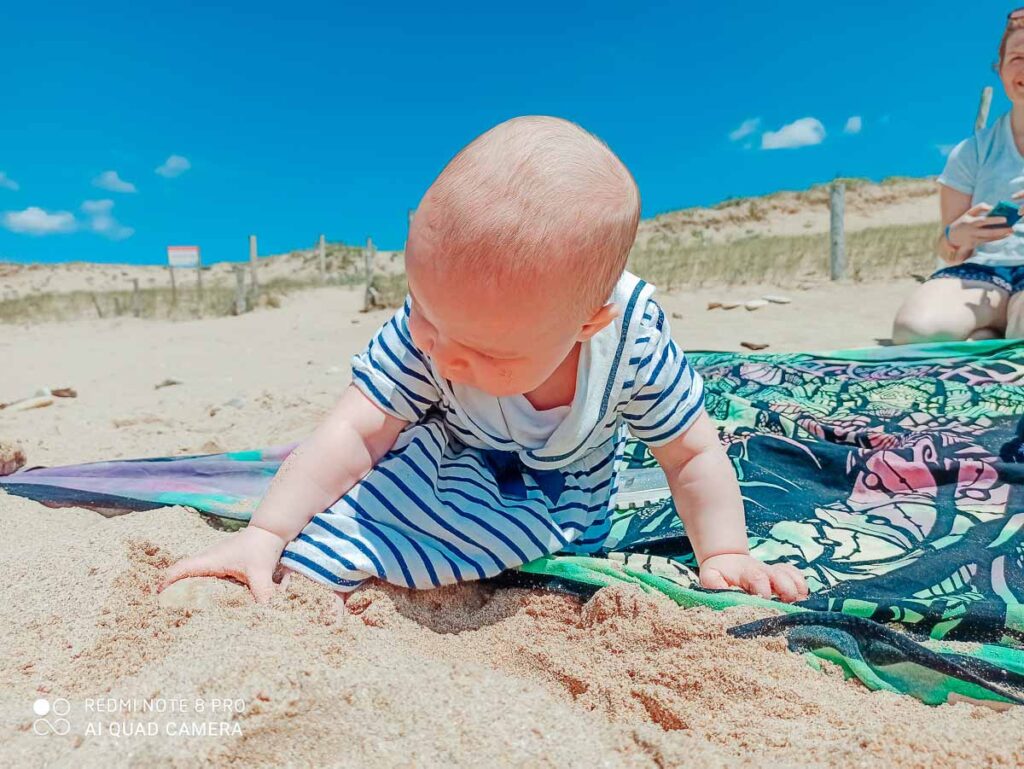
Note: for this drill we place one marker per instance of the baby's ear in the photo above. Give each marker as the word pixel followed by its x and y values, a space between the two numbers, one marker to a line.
pixel 600 319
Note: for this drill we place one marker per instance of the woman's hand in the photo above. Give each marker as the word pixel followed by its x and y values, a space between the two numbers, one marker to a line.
pixel 720 572
pixel 973 228
pixel 249 556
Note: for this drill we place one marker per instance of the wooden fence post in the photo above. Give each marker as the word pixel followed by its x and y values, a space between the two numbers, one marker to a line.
pixel 174 287
pixel 255 287
pixel 837 255
pixel 322 254
pixel 199 283
pixel 239 289
pixel 136 304
pixel 371 295
pixel 983 106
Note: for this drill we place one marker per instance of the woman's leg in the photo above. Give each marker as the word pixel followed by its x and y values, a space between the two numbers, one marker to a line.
pixel 1015 316
pixel 947 309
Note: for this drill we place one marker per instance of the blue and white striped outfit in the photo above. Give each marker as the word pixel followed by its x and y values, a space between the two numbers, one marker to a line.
pixel 456 499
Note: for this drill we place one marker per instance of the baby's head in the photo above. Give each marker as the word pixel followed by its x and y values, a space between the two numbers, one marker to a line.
pixel 514 252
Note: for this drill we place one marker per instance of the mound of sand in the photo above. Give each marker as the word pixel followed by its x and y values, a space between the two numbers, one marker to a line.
pixel 464 676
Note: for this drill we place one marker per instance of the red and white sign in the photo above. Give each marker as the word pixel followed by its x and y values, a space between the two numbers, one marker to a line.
pixel 183 256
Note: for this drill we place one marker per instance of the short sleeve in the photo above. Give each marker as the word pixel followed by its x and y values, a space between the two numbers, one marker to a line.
pixel 393 374
pixel 961 171
pixel 668 394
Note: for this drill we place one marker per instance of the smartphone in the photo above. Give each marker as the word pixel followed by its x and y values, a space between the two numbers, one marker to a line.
pixel 1005 208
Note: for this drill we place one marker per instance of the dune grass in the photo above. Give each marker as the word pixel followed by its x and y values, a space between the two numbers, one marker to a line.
pixel 872 254
pixel 154 302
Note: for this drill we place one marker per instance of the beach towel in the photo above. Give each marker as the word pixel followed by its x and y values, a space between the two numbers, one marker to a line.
pixel 892 477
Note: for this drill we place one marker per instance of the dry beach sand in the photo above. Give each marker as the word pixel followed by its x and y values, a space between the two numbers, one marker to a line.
pixel 459 677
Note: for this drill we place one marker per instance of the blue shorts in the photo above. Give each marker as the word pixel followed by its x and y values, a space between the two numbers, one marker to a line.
pixel 1010 279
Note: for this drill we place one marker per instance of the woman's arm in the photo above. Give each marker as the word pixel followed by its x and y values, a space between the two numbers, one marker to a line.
pixel 968 226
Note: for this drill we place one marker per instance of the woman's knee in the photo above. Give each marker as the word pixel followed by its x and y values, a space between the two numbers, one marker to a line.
pixel 915 324
pixel 1015 317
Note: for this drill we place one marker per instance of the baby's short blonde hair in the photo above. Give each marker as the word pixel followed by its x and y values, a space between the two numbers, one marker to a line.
pixel 538 199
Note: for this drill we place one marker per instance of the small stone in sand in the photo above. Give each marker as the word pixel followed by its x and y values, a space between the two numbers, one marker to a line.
pixel 714 305
pixel 167 383
pixel 64 392
pixel 776 299
pixel 677 315
pixel 12 457
pixel 754 345
pixel 730 304
pixel 755 304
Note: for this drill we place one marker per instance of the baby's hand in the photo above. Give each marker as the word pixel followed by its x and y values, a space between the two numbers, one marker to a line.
pixel 249 555
pixel 720 572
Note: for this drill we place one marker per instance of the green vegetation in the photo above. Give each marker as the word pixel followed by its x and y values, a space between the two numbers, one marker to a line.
pixel 666 260
pixel 391 289
pixel 873 254
pixel 217 300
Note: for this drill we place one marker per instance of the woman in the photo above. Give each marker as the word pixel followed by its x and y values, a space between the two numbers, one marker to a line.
pixel 981 296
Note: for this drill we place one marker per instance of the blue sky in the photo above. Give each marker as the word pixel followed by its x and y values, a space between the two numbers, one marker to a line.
pixel 291 119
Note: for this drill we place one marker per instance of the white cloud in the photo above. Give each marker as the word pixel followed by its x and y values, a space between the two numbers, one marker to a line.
pixel 102 220
pixel 804 132
pixel 175 165
pixel 35 221
pixel 853 125
pixel 109 180
pixel 8 183
pixel 746 128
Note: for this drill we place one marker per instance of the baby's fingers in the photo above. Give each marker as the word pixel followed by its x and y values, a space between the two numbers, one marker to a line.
pixel 198 566
pixel 756 582
pixel 783 585
pixel 798 579
pixel 261 585
pixel 712 579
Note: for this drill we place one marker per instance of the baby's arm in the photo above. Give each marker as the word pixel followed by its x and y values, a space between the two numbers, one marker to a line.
pixel 345 447
pixel 707 497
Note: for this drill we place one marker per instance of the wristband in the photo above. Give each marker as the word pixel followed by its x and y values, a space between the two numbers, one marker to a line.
pixel 952 245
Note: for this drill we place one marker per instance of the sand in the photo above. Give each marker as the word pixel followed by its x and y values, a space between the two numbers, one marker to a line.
pixel 459 677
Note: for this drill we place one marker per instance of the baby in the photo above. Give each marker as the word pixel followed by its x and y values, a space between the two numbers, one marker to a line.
pixel 484 419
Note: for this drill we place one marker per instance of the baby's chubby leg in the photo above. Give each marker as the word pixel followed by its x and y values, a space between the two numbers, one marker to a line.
pixel 11 457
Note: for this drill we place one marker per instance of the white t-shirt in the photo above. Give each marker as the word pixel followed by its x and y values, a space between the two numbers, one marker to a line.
pixel 514 415
pixel 989 167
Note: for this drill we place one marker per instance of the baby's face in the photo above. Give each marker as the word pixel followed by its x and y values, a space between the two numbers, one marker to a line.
pixel 503 342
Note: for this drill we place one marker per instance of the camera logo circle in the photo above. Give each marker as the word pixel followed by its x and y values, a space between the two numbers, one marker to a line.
pixel 56 724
